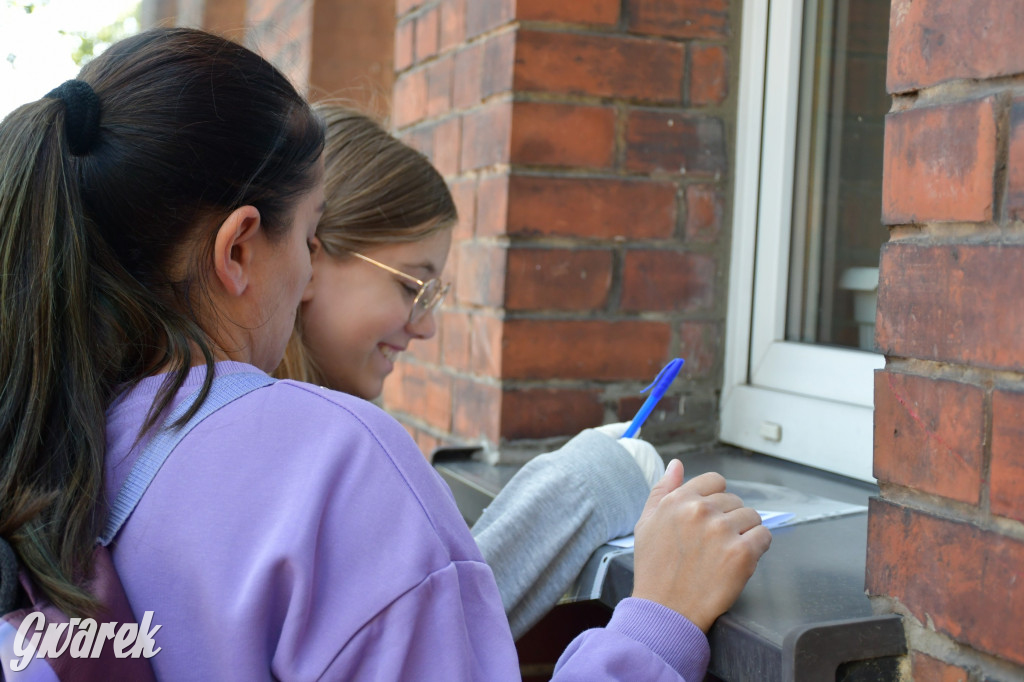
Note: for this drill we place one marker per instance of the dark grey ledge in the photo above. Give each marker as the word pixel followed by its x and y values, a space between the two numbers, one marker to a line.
pixel 803 616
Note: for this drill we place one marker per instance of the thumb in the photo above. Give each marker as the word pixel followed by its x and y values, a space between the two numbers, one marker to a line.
pixel 672 479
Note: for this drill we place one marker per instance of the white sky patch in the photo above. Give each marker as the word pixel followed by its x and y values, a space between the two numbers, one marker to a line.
pixel 34 56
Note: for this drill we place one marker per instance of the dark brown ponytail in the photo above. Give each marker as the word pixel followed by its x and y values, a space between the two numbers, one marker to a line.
pixel 96 214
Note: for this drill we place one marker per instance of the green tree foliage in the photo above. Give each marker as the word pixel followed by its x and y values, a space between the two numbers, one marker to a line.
pixel 93 43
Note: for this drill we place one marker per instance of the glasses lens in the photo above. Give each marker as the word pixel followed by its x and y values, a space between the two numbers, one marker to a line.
pixel 429 297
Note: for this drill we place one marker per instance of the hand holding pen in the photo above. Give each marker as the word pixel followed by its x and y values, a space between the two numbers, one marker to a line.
pixel 696 544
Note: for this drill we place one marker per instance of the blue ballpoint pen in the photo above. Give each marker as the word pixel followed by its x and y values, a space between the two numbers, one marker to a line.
pixel 660 384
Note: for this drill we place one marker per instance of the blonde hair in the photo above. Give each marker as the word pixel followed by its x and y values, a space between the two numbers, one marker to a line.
pixel 378 191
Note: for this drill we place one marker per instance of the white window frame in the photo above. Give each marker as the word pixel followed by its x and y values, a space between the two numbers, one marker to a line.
pixel 801 402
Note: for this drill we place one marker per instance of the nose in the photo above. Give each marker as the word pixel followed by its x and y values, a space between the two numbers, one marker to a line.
pixel 423 328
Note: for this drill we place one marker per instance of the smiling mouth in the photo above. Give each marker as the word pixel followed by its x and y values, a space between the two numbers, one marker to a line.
pixel 389 352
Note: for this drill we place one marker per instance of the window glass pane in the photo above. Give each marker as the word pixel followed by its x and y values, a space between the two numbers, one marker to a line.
pixel 837 231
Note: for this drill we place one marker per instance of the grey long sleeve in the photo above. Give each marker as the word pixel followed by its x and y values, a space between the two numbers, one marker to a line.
pixel 544 525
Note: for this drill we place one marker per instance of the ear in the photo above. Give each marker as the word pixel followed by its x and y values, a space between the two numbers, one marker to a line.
pixel 233 249
pixel 318 256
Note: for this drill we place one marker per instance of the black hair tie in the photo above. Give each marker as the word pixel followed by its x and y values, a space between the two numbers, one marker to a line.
pixel 81 114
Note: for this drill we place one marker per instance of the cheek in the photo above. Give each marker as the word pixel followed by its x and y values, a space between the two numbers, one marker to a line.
pixel 304 268
pixel 349 313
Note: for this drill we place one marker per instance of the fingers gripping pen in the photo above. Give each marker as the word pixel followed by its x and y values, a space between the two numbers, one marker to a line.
pixel 658 387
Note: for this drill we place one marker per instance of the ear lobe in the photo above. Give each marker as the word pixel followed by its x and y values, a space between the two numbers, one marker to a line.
pixel 233 249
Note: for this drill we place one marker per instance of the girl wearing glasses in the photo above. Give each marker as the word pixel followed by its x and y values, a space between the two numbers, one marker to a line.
pixel 382 244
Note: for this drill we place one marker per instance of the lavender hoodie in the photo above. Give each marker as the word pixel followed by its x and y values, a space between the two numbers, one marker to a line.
pixel 299 534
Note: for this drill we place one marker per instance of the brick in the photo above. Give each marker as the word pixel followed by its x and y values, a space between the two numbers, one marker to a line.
pixel 584 349
pixel 1015 167
pixel 481 274
pixel 405 50
pixel 667 281
pixel 598 65
pixel 455 343
pixel 421 391
pixel 961 580
pixel 492 205
pixel 934 41
pixel 485 135
pixel 600 12
pixel 420 138
pixel 409 102
pixel 627 407
pixel 1007 467
pixel 450 274
pixel 499 64
pixel 477 412
pixel 679 18
pixel 677 418
pixel 483 69
pixel 673 142
pixel 486 15
pixel 486 332
pixel 709 75
pixel 225 17
pixel 700 344
pixel 929 435
pixel 704 209
pixel 281 32
pixel 439 86
pixel 464 194
pixel 428 33
pixel 924 667
pixel 940 164
pixel 447 146
pixel 352 51
pixel 548 412
pixel 453 24
pixel 549 134
pixel 597 208
pixel 557 279
pixel 957 303
pixel 403 7
pixel 468 75
pixel 451 269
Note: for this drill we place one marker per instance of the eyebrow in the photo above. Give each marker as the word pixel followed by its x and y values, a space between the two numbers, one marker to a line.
pixel 425 265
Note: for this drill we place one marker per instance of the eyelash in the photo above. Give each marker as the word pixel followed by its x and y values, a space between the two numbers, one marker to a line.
pixel 408 289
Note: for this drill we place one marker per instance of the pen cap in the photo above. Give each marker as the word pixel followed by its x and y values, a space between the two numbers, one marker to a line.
pixel 657 388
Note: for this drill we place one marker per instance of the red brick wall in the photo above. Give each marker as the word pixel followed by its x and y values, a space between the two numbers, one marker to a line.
pixel 329 48
pixel 586 144
pixel 352 48
pixel 946 538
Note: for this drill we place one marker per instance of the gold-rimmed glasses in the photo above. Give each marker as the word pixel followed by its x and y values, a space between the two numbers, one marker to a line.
pixel 429 294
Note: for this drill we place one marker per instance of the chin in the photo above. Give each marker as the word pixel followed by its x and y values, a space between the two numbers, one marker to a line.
pixel 367 386
pixel 374 390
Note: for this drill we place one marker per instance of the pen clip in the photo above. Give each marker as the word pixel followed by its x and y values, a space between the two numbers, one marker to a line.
pixel 674 366
pixel 660 384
